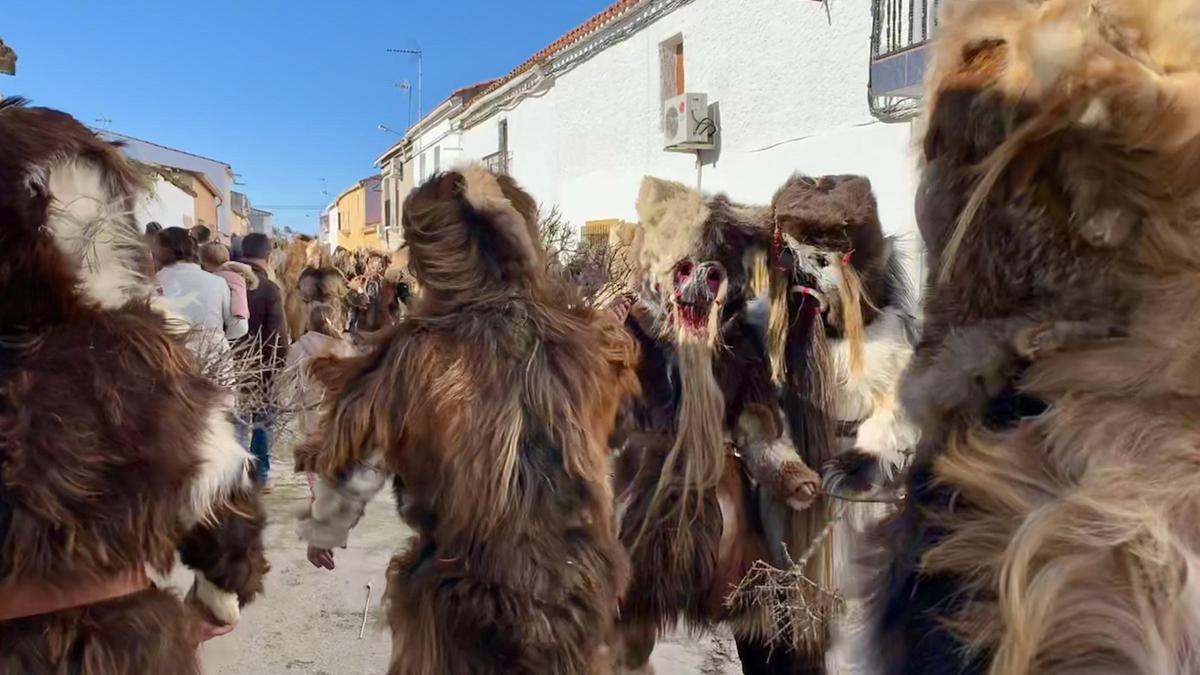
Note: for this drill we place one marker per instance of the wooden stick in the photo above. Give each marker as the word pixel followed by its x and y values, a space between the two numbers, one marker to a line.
pixel 366 606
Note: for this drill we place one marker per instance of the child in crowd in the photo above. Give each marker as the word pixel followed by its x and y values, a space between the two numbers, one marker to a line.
pixel 214 258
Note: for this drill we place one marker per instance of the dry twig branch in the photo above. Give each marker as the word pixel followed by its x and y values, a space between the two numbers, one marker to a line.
pixel 259 386
pixel 800 610
pixel 598 270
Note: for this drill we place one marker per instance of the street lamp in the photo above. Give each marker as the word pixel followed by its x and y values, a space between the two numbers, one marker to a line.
pixel 418 53
pixel 384 127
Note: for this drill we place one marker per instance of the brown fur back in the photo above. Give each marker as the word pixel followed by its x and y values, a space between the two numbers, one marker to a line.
pixel 494 399
pixel 1071 538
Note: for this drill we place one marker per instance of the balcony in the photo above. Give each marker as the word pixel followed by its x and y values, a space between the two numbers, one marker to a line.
pixel 900 32
pixel 498 162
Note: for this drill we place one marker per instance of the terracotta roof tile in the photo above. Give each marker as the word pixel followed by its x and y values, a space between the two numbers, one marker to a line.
pixel 572 36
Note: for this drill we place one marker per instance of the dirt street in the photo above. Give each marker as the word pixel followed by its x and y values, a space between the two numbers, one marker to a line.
pixel 308 621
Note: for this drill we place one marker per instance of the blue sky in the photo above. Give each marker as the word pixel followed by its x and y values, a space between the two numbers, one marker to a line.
pixel 287 92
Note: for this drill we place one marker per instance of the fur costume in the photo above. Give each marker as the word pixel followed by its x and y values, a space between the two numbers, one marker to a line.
pixel 707 471
pixel 1051 519
pixel 302 253
pixel 115 454
pixel 840 336
pixel 377 295
pixel 492 403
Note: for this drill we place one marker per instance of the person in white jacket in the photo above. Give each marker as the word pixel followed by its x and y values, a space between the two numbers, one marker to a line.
pixel 200 298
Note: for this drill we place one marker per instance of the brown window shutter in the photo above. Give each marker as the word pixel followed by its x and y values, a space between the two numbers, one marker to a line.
pixel 679 88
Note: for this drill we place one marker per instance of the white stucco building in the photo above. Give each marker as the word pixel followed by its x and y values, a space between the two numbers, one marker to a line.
pixel 218 174
pixel 580 122
pixel 330 226
pixel 262 222
pixel 166 204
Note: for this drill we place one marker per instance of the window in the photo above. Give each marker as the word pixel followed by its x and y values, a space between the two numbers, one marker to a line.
pixel 596 232
pixel 670 58
pixel 437 159
pixel 502 142
pixel 424 175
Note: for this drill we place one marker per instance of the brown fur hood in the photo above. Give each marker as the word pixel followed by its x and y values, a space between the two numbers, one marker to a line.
pixel 832 212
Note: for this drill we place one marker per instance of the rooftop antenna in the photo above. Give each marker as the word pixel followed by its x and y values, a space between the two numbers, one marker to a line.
pixel 420 99
pixel 406 86
pixel 104 122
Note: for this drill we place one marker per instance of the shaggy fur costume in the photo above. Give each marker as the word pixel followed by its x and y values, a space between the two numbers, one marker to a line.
pixel 1051 519
pixel 707 467
pixel 114 453
pixel 301 254
pixel 840 336
pixel 492 402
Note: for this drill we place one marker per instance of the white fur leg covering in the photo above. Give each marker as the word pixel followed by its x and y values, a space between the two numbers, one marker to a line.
pixel 222 604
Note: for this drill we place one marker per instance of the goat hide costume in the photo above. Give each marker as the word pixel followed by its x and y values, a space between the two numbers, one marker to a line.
pixel 302 253
pixel 377 296
pixel 839 337
pixel 114 452
pixel 1051 519
pixel 693 521
pixel 492 403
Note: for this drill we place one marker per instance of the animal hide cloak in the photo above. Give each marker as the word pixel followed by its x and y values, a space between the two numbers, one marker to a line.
pixel 1050 525
pixel 492 403
pixel 115 454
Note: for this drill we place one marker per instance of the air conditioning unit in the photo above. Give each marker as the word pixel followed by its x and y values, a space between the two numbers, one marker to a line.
pixel 686 124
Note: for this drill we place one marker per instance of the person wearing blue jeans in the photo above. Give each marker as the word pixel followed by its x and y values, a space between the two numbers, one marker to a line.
pixel 269 328
pixel 260 447
pixel 256 435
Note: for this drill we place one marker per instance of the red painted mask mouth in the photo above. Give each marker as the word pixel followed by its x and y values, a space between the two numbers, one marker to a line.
pixel 693 317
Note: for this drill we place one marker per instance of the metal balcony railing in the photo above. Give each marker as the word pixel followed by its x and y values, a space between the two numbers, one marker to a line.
pixel 899 33
pixel 498 162
pixel 901 25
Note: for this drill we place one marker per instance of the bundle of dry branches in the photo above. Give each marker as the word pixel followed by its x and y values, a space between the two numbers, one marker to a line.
pixel 800 611
pixel 598 270
pixel 259 387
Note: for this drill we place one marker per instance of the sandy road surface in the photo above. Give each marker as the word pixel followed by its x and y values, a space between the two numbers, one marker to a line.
pixel 308 621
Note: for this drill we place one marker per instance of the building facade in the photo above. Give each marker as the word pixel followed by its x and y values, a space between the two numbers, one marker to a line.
pixel 208 203
pixel 357 214
pixel 262 222
pixel 330 232
pixel 582 121
pixel 167 203
pixel 431 145
pixel 218 175
pixel 239 205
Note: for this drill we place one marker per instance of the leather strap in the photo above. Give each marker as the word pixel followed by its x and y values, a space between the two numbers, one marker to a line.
pixel 25 598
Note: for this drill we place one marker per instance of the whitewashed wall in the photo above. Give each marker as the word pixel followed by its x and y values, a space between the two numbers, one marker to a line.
pixel 790 80
pixel 440 142
pixel 335 226
pixel 219 174
pixel 166 205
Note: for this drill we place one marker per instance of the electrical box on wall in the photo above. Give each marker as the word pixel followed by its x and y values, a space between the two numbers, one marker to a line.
pixel 687 126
